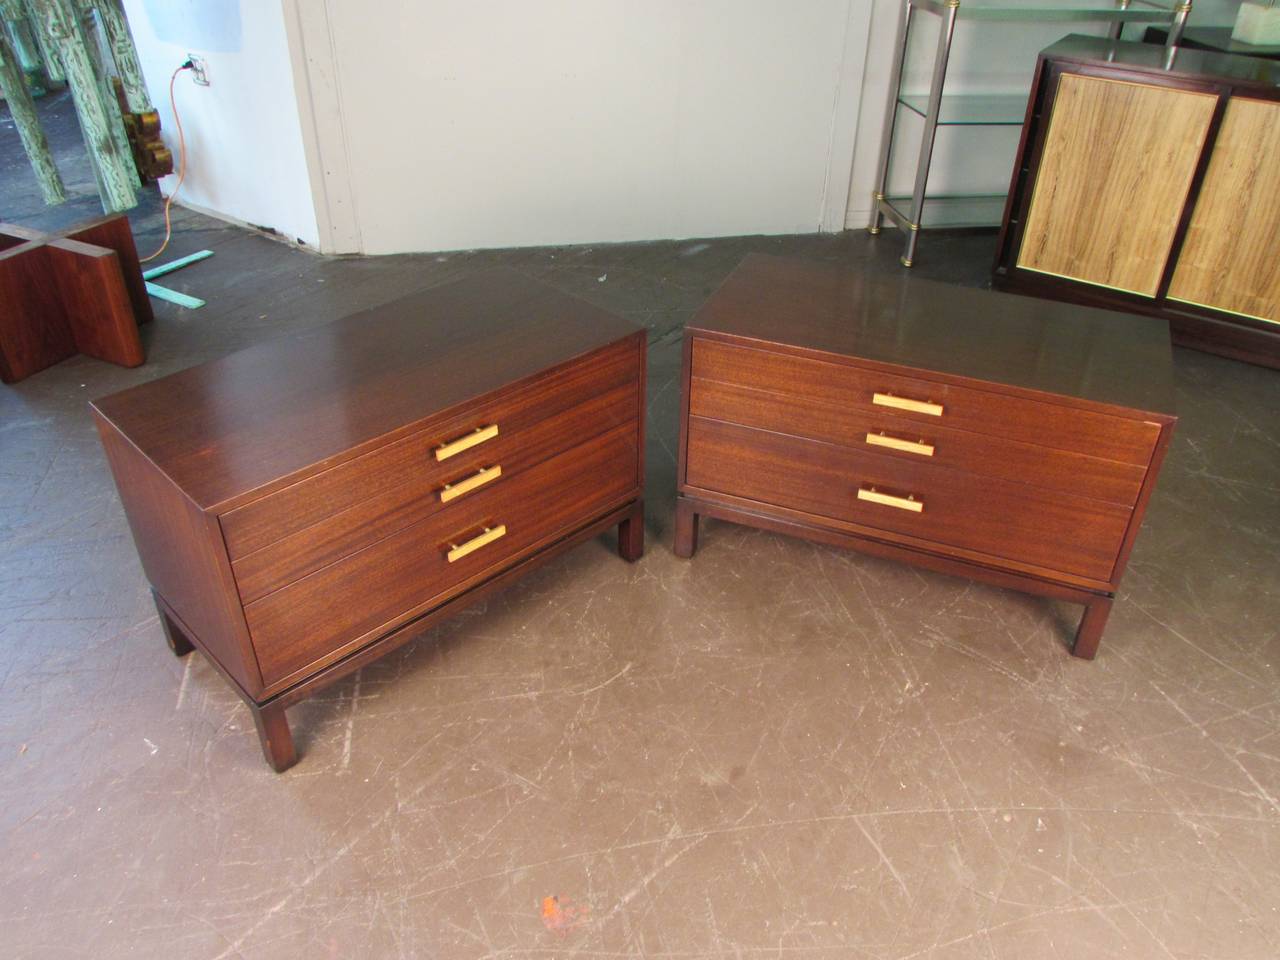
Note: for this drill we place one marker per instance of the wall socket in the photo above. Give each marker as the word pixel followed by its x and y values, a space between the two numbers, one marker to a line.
pixel 199 70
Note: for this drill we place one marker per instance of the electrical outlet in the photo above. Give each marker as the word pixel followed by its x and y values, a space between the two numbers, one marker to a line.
pixel 199 70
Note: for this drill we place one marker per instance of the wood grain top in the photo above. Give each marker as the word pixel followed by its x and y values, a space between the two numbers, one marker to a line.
pixel 224 429
pixel 1060 349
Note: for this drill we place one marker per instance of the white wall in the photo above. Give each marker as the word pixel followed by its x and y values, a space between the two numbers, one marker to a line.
pixel 245 158
pixel 431 125
pixel 436 126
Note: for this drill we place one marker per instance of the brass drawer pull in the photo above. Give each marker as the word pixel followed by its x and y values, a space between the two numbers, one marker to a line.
pixel 479 435
pixel 452 490
pixel 902 403
pixel 873 495
pixel 894 443
pixel 459 550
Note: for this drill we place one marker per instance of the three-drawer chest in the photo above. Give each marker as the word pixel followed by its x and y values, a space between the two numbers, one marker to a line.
pixel 974 433
pixel 307 505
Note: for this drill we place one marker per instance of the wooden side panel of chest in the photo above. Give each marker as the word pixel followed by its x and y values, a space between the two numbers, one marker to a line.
pixel 183 557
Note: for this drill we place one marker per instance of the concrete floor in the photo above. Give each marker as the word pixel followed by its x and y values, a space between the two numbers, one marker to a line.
pixel 775 750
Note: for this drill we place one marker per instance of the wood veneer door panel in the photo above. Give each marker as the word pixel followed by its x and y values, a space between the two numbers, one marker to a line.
pixel 992 517
pixel 370 520
pixel 821 383
pixel 1115 169
pixel 531 421
pixel 362 596
pixel 877 431
pixel 1230 259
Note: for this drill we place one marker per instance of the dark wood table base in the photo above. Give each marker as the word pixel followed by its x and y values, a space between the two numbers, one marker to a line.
pixel 77 291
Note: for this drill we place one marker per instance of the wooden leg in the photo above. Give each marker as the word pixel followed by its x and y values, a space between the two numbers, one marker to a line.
pixel 631 534
pixel 173 634
pixel 1091 627
pixel 277 741
pixel 686 529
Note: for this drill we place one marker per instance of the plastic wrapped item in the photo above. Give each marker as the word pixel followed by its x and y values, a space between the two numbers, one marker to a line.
pixel 1257 23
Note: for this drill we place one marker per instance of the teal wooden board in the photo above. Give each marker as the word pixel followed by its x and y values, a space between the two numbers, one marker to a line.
pixel 173 296
pixel 178 264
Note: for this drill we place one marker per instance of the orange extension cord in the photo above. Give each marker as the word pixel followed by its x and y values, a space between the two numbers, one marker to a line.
pixel 182 165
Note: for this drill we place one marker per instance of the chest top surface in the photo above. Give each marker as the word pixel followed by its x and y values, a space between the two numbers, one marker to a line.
pixel 225 428
pixel 1099 356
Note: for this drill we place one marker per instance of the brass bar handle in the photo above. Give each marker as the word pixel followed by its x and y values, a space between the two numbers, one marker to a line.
pixel 905 403
pixel 895 443
pixel 477 436
pixel 459 550
pixel 872 495
pixel 451 491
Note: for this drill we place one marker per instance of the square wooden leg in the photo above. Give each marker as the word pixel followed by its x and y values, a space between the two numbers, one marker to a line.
pixel 1091 626
pixel 631 534
pixel 686 529
pixel 173 634
pixel 277 741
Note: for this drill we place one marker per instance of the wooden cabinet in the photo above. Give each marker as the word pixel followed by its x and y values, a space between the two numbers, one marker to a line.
pixel 974 433
pixel 1146 181
pixel 307 505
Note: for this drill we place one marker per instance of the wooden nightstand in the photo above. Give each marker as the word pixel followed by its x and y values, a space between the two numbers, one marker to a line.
pixel 307 505
pixel 974 433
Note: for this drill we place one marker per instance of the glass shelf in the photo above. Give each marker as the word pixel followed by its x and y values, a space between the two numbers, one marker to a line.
pixel 954 212
pixel 972 109
pixel 1065 11
pixel 979 110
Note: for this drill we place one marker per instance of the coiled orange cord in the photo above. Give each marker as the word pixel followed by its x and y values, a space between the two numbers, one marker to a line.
pixel 182 165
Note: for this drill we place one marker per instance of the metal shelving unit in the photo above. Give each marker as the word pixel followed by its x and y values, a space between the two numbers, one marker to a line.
pixel 937 108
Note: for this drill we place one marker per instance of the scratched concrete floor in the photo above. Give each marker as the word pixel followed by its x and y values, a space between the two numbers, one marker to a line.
pixel 776 750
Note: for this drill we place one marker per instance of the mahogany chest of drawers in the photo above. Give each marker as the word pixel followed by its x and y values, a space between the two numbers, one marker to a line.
pixel 981 434
pixel 309 504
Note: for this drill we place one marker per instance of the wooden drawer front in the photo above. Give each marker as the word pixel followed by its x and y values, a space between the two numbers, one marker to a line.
pixel 397 475
pixel 880 431
pixel 855 388
pixel 993 517
pixel 363 595
pixel 343 533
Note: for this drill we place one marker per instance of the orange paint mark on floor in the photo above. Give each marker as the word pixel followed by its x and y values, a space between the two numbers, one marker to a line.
pixel 561 918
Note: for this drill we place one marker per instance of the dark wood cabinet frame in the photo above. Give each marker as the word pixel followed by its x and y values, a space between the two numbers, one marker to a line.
pixel 1203 328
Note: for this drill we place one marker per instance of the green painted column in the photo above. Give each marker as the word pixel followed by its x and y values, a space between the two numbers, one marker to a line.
pixel 124 53
pixel 13 83
pixel 48 53
pixel 89 36
pixel 20 36
pixel 114 170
